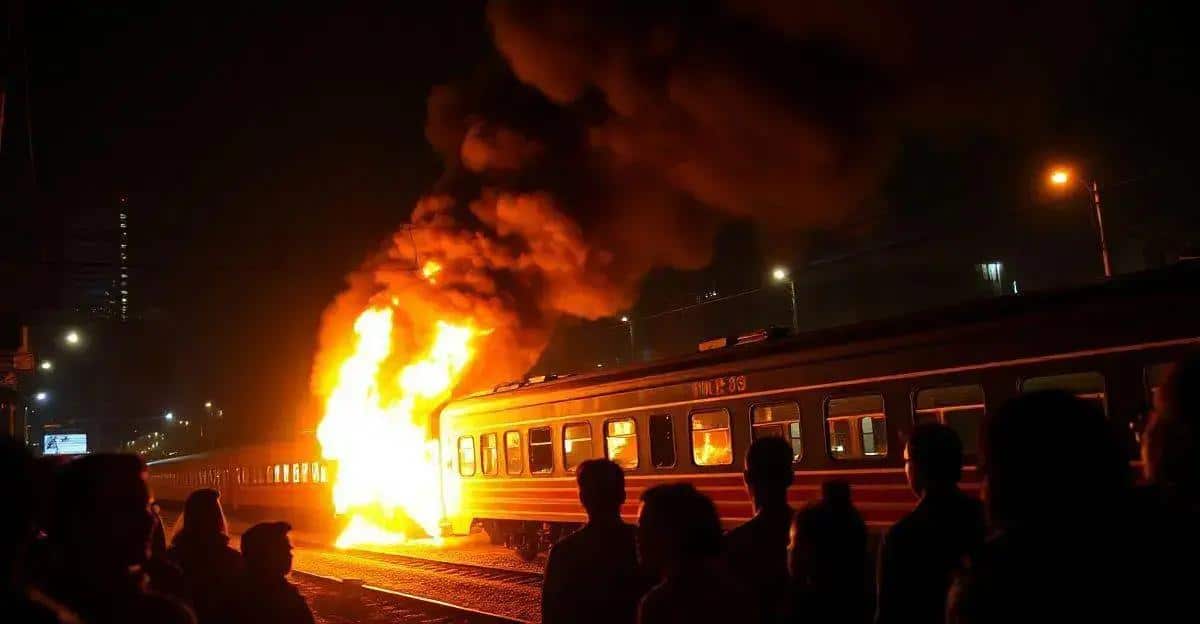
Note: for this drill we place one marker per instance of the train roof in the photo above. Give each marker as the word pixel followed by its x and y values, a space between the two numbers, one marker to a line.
pixel 1182 279
pixel 299 446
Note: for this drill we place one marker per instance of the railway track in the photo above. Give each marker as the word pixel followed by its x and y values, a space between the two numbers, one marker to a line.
pixel 350 600
pixel 410 588
pixel 462 570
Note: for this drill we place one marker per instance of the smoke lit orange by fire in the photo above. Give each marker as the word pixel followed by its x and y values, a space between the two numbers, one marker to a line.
pixel 430 270
pixel 375 428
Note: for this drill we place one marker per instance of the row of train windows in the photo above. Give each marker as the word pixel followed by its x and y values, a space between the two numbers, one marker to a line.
pixel 305 472
pixel 299 472
pixel 856 425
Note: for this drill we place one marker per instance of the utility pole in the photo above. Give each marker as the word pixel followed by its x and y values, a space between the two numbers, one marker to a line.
pixel 1095 193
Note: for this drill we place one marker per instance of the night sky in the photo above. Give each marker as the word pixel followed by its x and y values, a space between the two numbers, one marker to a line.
pixel 266 150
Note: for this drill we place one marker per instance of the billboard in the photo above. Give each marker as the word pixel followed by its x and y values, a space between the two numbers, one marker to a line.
pixel 64 444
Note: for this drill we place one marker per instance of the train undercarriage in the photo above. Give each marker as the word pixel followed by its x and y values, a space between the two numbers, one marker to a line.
pixel 525 537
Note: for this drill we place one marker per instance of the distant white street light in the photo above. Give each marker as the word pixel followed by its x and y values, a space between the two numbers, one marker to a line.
pixel 780 274
pixel 41 397
pixel 208 404
pixel 47 365
pixel 72 337
pixel 169 416
pixel 632 344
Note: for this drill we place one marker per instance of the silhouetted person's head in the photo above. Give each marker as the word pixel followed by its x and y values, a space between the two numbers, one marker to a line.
pixel 203 518
pixel 101 513
pixel 17 498
pixel 768 472
pixel 1049 458
pixel 835 493
pixel 677 527
pixel 825 530
pixel 267 549
pixel 933 458
pixel 601 488
pixel 1171 443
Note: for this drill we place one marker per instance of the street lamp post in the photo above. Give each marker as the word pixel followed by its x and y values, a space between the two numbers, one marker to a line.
pixel 1061 178
pixel 206 422
pixel 780 274
pixel 632 345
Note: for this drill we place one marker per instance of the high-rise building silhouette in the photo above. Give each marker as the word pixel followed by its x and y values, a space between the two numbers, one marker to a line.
pixel 122 281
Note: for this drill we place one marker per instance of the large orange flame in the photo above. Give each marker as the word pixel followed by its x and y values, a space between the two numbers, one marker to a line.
pixel 388 481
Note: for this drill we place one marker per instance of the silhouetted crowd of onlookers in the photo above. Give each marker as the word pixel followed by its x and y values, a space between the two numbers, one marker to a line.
pixel 85 543
pixel 1063 532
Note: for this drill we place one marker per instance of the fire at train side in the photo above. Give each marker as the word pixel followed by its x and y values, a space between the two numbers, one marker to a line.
pixel 845 400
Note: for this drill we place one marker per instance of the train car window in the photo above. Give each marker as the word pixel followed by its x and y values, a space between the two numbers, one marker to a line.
pixel 304 472
pixel 577 445
pixel 466 456
pixel 778 420
pixel 512 452
pixel 857 427
pixel 712 444
pixel 1087 386
pixel 287 473
pixel 541 451
pixel 324 473
pixel 961 408
pixel 487 454
pixel 296 473
pixel 662 441
pixel 620 442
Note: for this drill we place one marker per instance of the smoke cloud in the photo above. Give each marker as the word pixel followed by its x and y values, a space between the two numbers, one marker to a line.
pixel 622 136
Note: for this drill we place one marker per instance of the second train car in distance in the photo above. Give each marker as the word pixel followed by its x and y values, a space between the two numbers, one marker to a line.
pixel 845 399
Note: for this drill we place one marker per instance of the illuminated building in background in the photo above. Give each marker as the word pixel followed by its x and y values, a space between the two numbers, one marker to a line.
pixel 97 254
pixel 993 274
pixel 121 296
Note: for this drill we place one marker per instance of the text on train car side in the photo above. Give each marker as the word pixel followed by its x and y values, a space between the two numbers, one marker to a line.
pixel 719 386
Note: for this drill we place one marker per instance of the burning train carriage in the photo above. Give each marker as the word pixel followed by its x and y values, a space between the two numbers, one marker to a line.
pixel 845 400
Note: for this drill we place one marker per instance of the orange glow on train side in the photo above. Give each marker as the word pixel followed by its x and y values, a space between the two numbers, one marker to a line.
pixel 376 427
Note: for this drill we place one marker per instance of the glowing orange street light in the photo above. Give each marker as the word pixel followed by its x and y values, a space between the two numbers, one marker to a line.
pixel 1061 177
